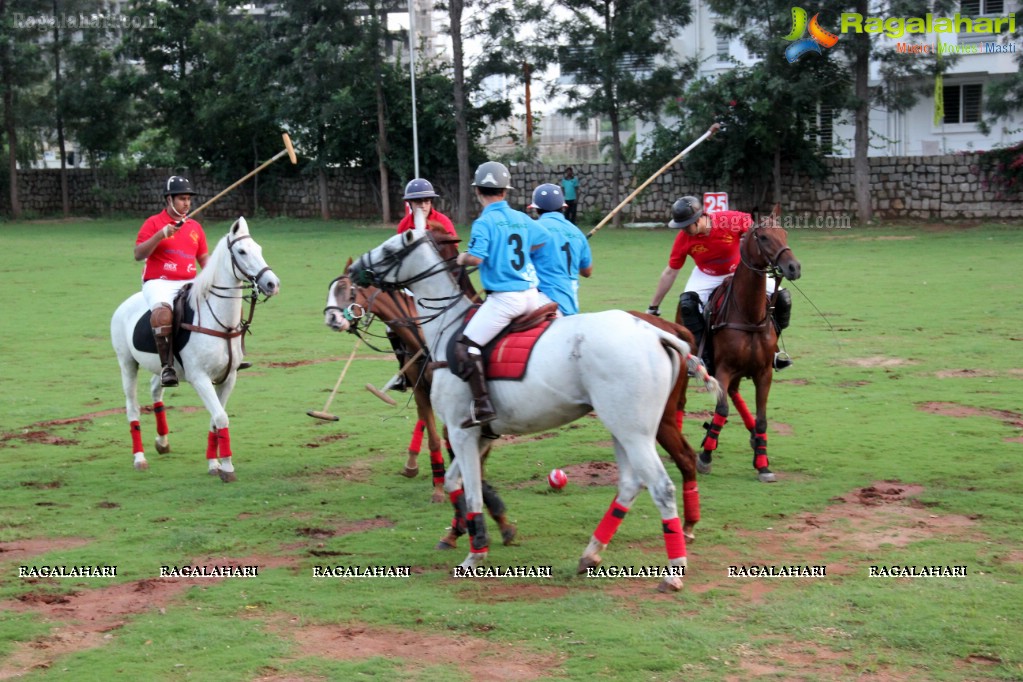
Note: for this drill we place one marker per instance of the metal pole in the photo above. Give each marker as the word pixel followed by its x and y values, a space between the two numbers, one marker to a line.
pixel 412 70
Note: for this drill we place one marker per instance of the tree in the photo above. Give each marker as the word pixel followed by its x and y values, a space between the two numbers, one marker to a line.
pixel 21 69
pixel 619 54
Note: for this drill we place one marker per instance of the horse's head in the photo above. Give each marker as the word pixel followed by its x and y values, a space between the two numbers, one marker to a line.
pixel 766 247
pixel 247 260
pixel 342 311
pixel 399 261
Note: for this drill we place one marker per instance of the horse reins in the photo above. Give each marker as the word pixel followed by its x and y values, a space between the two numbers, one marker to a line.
pixel 770 270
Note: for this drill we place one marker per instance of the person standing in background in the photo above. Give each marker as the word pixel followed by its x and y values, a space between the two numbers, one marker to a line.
pixel 570 190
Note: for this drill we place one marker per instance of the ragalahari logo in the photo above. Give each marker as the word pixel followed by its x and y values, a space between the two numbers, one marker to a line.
pixel 819 37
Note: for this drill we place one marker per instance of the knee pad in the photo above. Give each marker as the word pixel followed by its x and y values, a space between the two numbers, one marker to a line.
pixel 162 320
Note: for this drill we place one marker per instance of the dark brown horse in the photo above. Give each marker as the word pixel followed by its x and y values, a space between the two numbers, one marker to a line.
pixel 743 337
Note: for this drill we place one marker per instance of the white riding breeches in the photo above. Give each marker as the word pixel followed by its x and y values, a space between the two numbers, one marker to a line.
pixel 704 284
pixel 500 308
pixel 162 291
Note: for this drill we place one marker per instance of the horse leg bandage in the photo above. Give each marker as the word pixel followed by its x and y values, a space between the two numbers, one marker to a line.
pixel 211 445
pixel 161 419
pixel 458 522
pixel 476 524
pixel 437 466
pixel 493 502
pixel 674 540
pixel 710 441
pixel 223 443
pixel 759 451
pixel 416 444
pixel 136 437
pixel 609 524
pixel 747 417
pixel 691 501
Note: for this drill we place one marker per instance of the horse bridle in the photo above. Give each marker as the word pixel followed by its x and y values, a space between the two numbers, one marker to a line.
pixel 351 312
pixel 772 268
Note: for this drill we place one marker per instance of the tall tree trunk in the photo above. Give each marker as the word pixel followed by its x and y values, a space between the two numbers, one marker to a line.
pixel 382 146
pixel 65 201
pixel 861 143
pixel 321 179
pixel 10 125
pixel 455 8
pixel 777 177
pixel 616 159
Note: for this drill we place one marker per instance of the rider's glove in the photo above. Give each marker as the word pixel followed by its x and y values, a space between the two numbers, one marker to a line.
pixel 653 310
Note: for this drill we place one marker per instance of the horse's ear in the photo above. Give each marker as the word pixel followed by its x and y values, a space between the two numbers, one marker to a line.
pixel 239 226
pixel 348 264
pixel 776 211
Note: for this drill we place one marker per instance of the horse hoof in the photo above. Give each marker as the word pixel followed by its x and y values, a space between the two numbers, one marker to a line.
pixel 766 476
pixel 447 542
pixel 162 449
pixel 508 533
pixel 703 465
pixel 227 476
pixel 215 471
pixel 410 472
pixel 672 584
pixel 588 562
pixel 141 465
pixel 438 497
pixel 689 533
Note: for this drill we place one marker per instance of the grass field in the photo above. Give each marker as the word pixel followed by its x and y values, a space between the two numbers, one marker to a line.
pixel 897 437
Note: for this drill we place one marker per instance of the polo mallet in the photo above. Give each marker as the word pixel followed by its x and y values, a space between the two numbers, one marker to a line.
pixel 710 131
pixel 383 396
pixel 323 414
pixel 288 149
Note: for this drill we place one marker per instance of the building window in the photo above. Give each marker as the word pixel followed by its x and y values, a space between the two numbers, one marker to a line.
pixel 974 8
pixel 962 103
pixel 723 50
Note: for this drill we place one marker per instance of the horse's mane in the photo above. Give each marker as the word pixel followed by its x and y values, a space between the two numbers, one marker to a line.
pixel 203 283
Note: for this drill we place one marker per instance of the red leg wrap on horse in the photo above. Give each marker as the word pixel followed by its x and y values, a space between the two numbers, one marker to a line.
pixel 747 418
pixel 679 414
pixel 437 466
pixel 161 419
pixel 691 501
pixel 416 444
pixel 224 442
pixel 476 525
pixel 136 436
pixel 458 523
pixel 674 540
pixel 211 445
pixel 710 442
pixel 609 524
pixel 759 451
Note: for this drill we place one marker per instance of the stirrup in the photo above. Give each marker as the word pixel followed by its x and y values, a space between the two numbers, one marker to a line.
pixel 781 360
pixel 477 417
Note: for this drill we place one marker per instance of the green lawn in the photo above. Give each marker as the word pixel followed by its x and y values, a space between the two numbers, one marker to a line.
pixel 909 368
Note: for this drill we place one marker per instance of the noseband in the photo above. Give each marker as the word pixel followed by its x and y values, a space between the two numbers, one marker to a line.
pixel 351 312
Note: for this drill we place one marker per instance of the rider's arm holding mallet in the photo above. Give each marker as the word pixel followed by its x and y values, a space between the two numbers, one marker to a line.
pixel 143 250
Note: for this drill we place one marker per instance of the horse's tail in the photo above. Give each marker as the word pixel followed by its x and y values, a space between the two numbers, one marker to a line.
pixel 672 342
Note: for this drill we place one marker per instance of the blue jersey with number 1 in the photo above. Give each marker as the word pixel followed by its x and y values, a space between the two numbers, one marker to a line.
pixel 503 238
pixel 559 260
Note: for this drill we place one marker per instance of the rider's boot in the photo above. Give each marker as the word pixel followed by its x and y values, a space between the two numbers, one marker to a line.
pixel 163 326
pixel 397 382
pixel 692 318
pixel 481 411
pixel 782 316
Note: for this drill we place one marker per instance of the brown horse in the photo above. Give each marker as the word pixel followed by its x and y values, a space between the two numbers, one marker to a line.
pixel 743 339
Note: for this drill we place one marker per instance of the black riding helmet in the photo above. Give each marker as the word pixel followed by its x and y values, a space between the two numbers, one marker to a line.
pixel 178 185
pixel 685 212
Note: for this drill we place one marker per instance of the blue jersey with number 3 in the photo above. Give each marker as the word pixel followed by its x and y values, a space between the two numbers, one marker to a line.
pixel 503 238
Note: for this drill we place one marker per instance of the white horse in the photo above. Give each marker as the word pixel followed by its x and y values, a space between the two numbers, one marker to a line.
pixel 210 357
pixel 610 362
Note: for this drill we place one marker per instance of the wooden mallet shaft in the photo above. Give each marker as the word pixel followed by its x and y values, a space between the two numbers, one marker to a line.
pixel 710 131
pixel 323 414
pixel 383 396
pixel 288 149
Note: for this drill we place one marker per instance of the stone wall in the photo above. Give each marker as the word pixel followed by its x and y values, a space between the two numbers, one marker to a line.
pixel 947 187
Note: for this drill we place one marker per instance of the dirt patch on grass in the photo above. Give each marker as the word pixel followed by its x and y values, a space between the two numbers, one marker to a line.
pixel 36 436
pixel 1013 419
pixel 592 473
pixel 480 658
pixel 359 526
pixel 83 619
pixel 519 591
pixel 19 550
pixel 878 361
pixel 977 373
pixel 320 361
pixel 800 660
